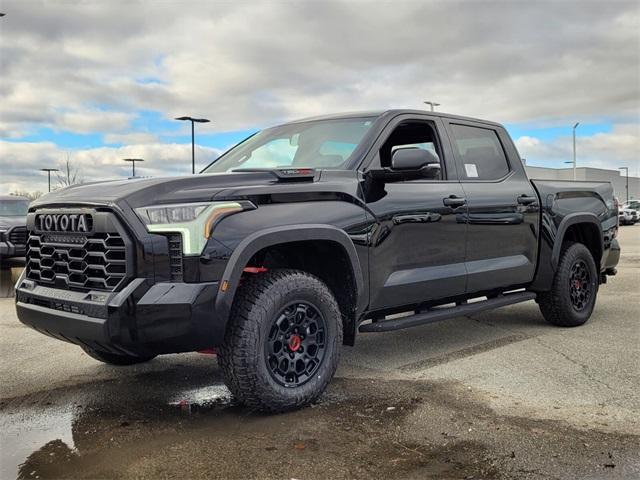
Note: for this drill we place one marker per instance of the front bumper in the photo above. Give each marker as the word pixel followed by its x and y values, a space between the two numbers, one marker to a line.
pixel 10 250
pixel 138 320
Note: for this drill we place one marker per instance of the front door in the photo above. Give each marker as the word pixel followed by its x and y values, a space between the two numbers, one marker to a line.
pixel 417 244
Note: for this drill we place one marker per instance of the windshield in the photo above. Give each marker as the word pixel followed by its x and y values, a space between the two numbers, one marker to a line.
pixel 314 144
pixel 13 208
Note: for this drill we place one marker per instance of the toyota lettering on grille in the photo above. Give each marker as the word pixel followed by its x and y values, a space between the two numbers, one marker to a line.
pixel 65 222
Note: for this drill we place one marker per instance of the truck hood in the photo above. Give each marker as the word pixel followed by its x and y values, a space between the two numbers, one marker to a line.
pixel 194 188
pixel 148 191
pixel 12 221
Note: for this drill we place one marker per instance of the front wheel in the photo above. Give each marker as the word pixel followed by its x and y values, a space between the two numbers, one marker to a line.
pixel 572 297
pixel 283 341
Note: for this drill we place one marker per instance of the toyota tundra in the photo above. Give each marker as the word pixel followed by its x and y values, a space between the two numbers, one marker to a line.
pixel 303 235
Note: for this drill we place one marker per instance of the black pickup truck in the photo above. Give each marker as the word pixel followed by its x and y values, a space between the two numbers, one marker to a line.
pixel 306 233
pixel 13 230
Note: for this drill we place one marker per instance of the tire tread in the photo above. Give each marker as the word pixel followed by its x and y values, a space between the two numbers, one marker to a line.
pixel 237 357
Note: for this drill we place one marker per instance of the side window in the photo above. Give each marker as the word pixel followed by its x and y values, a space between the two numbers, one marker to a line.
pixel 481 153
pixel 410 134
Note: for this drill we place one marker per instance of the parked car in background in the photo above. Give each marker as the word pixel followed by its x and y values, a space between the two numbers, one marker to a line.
pixel 632 204
pixel 627 216
pixel 13 228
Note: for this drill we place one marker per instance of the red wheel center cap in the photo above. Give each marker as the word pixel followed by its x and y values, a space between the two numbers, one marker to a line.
pixel 577 284
pixel 294 343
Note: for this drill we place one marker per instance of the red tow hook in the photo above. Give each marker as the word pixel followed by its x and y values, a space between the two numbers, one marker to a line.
pixel 255 269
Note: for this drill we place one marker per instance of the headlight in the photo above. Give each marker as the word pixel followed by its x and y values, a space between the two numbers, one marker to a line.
pixel 194 221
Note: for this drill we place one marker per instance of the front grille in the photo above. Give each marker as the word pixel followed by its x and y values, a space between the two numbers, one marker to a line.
pixel 18 235
pixel 77 262
pixel 175 257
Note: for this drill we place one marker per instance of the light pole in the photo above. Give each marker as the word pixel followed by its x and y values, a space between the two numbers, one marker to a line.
pixel 432 105
pixel 627 186
pixel 133 163
pixel 193 140
pixel 49 170
pixel 574 149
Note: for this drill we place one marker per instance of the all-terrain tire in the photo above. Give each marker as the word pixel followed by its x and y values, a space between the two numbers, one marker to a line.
pixel 572 297
pixel 114 359
pixel 260 304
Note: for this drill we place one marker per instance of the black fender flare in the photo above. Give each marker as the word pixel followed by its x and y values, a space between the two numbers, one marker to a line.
pixel 278 235
pixel 568 221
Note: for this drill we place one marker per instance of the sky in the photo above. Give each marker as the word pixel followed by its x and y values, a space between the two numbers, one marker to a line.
pixel 94 82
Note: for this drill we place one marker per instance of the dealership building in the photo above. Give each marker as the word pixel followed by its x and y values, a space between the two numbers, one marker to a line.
pixel 619 181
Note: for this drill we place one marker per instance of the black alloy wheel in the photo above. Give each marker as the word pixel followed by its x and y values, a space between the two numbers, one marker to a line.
pixel 580 285
pixel 295 346
pixel 572 297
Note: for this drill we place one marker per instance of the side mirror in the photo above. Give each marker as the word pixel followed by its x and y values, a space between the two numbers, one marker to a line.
pixel 412 159
pixel 416 163
pixel 409 164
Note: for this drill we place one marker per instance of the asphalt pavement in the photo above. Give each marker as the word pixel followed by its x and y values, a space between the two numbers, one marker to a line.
pixel 500 394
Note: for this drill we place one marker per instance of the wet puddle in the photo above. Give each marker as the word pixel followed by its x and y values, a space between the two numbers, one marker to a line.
pixel 29 431
pixel 175 425
pixel 35 436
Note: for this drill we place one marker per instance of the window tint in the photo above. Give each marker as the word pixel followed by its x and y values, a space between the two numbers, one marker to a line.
pixel 13 208
pixel 409 134
pixel 481 153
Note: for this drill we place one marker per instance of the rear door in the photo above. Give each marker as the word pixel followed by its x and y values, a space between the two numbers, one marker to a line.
pixel 502 207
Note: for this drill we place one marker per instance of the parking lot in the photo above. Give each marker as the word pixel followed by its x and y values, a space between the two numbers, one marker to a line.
pixel 496 395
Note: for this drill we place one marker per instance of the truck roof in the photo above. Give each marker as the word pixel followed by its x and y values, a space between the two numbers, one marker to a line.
pixel 392 113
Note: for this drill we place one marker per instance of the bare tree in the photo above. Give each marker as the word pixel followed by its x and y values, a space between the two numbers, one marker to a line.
pixel 30 195
pixel 68 174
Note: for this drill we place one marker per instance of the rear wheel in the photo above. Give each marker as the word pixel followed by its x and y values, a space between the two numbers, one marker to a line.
pixel 114 359
pixel 572 297
pixel 283 341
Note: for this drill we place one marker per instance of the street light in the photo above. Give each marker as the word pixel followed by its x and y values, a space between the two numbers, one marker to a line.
pixel 627 186
pixel 574 149
pixel 193 142
pixel 133 163
pixel 432 105
pixel 49 170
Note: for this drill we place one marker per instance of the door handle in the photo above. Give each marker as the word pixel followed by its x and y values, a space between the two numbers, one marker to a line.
pixel 454 201
pixel 526 200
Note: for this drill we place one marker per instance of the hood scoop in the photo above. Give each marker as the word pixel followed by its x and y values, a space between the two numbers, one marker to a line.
pixel 285 175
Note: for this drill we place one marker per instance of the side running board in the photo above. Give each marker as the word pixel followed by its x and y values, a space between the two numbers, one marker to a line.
pixel 437 314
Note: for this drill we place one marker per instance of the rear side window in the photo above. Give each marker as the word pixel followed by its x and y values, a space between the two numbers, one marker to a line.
pixel 481 153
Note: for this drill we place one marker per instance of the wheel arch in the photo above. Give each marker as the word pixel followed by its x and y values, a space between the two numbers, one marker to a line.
pixel 580 227
pixel 292 234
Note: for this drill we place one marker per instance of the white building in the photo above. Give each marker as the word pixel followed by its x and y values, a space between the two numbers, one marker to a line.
pixel 617 179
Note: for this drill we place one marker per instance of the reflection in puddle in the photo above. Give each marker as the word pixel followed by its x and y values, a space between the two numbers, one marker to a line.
pixel 203 398
pixel 39 441
pixel 34 433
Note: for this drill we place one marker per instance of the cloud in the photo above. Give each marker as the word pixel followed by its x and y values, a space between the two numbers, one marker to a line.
pixel 89 121
pixel 22 162
pixel 620 147
pixel 248 63
pixel 130 138
pixel 92 67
